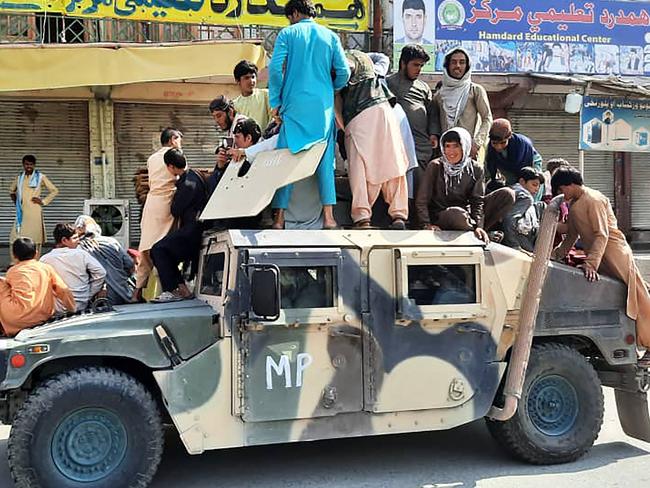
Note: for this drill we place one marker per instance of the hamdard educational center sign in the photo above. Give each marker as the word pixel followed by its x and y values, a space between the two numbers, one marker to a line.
pixel 542 36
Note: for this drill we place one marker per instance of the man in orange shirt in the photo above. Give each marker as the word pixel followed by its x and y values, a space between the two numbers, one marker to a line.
pixel 28 294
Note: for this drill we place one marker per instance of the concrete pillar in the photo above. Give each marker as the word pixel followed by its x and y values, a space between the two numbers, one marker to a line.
pixel 102 148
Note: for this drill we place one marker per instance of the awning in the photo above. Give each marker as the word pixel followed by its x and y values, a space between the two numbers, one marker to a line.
pixel 38 67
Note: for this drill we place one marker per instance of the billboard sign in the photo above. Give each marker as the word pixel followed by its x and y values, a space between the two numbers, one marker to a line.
pixel 541 36
pixel 615 124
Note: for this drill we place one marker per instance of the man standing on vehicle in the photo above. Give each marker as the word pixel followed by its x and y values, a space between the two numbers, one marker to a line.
pixel 416 99
pixel 253 102
pixel 592 220
pixel 26 194
pixel 157 220
pixel 182 245
pixel 461 102
pixel 307 67
pixel 30 290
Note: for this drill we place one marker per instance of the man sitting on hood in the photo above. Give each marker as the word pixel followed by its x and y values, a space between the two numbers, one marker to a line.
pixel 461 102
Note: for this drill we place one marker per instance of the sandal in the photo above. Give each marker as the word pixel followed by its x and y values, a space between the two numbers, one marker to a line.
pixel 398 224
pixel 362 224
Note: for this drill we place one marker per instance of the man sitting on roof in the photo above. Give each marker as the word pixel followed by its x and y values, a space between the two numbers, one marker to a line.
pixel 28 294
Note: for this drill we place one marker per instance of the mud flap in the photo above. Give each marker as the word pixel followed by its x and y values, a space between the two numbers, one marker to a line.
pixel 633 413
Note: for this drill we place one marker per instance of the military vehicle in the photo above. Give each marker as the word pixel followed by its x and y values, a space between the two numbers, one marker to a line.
pixel 306 335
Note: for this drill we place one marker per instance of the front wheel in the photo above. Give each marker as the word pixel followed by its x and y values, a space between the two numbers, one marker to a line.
pixel 87 428
pixel 560 412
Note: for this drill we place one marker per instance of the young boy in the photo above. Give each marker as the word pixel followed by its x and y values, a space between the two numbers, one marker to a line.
pixel 521 224
pixel 253 102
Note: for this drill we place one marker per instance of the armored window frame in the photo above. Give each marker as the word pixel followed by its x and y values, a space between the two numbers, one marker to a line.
pixel 216 301
pixel 406 307
pixel 306 258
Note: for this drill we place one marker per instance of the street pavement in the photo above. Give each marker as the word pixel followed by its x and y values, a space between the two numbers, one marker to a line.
pixel 465 457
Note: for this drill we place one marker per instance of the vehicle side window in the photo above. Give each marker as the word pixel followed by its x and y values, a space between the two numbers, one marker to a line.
pixel 212 276
pixel 442 284
pixel 307 287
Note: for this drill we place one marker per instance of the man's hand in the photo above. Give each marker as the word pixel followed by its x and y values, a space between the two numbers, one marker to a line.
pixel 481 234
pixel 221 158
pixel 37 201
pixel 237 154
pixel 590 272
pixel 431 227
pixel 275 114
pixel 474 152
pixel 434 140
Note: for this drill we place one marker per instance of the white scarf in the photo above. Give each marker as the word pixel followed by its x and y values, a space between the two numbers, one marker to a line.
pixel 454 93
pixel 453 172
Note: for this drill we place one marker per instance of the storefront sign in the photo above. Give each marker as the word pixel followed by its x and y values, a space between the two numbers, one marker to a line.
pixel 542 36
pixel 615 124
pixel 339 14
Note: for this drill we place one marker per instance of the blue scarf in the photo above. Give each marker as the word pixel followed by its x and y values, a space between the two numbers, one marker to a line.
pixel 34 182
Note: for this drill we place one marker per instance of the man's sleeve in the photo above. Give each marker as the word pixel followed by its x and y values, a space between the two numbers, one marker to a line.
pixel 61 291
pixel 381 63
pixel 340 65
pixel 425 192
pixel 597 214
pixel 537 160
pixel 276 69
pixel 96 274
pixel 477 197
pixel 269 144
pixel 127 261
pixel 483 108
pixel 183 197
pixel 14 187
pixel 53 191
pixel 433 115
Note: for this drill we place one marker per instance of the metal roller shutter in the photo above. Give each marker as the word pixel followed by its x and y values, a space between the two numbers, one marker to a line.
pixel 641 191
pixel 57 134
pixel 137 136
pixel 555 135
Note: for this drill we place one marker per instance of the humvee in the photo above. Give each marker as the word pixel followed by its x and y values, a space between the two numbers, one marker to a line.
pixel 306 335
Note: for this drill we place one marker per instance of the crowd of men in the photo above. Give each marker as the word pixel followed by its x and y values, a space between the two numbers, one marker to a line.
pixel 437 158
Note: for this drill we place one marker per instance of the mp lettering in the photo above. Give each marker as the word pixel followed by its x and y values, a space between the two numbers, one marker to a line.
pixel 283 368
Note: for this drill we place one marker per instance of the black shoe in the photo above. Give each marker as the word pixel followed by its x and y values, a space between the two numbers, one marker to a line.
pixel 398 224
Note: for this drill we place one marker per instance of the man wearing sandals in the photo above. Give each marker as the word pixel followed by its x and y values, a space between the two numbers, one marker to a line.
pixel 376 155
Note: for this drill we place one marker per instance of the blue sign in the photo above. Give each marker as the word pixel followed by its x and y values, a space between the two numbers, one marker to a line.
pixel 615 124
pixel 543 36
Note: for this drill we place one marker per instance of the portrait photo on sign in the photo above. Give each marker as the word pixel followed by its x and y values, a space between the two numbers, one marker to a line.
pixel 414 22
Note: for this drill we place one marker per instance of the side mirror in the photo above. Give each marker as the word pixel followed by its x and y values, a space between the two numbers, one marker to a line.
pixel 265 292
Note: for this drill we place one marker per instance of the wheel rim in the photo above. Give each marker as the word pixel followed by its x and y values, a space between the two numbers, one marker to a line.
pixel 89 444
pixel 552 405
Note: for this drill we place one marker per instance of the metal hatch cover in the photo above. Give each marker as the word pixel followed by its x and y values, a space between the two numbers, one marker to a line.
pixel 247 195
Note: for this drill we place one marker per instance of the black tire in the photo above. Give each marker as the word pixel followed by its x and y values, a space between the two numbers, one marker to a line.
pixel 560 412
pixel 86 428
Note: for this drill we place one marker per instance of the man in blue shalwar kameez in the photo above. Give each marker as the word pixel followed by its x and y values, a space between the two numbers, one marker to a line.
pixel 307 67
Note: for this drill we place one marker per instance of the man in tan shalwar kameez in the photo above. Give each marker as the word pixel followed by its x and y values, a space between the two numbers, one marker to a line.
pixel 592 220
pixel 157 220
pixel 26 193
pixel 376 155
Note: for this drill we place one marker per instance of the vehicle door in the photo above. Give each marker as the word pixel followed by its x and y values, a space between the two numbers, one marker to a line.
pixel 430 326
pixel 308 362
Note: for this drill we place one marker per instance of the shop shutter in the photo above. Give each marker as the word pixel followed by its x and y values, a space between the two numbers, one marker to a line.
pixel 57 134
pixel 641 191
pixel 137 136
pixel 555 135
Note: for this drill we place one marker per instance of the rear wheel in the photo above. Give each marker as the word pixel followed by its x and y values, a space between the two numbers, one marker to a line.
pixel 560 412
pixel 90 428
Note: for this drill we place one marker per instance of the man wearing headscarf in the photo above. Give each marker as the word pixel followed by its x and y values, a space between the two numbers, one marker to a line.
pixel 376 155
pixel 110 254
pixel 451 195
pixel 461 102
pixel 26 193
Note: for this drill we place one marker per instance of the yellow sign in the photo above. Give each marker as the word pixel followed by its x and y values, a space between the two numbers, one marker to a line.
pixel 338 14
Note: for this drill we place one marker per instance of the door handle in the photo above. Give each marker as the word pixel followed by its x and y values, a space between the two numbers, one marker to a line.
pixel 345 333
pixel 464 328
